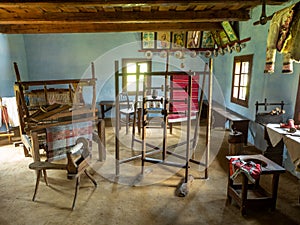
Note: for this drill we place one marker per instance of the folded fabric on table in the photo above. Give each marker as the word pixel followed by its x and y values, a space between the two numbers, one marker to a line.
pixel 250 169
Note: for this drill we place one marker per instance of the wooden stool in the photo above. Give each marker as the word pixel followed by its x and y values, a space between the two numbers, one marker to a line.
pixel 247 195
pixel 236 143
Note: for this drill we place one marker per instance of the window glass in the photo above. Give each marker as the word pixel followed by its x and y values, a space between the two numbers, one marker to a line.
pixel 245 67
pixel 244 80
pixel 242 94
pixel 236 80
pixel 237 68
pixel 235 92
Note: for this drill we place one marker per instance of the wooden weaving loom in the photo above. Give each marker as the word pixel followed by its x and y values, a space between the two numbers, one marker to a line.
pixel 40 108
pixel 60 122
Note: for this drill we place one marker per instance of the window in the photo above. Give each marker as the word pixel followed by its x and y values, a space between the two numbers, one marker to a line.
pixel 241 76
pixel 129 81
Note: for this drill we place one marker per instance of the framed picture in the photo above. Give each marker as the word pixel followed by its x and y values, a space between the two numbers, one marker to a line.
pixel 224 39
pixel 178 40
pixel 217 38
pixel 229 31
pixel 193 39
pixel 207 40
pixel 148 40
pixel 163 40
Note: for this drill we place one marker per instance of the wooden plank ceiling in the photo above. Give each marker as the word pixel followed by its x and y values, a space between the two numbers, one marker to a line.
pixel 53 16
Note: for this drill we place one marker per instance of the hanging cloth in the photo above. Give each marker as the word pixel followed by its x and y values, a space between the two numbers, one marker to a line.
pixel 277 36
pixel 292 46
pixel 12 110
pixel 4 115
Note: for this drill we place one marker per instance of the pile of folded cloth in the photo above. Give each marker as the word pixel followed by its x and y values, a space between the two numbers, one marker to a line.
pixel 251 169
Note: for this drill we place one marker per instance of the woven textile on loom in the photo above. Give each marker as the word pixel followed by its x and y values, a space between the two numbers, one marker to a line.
pixel 250 169
pixel 60 138
pixel 179 94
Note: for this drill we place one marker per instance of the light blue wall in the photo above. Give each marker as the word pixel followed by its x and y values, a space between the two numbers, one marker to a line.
pixel 11 49
pixel 63 56
pixel 275 87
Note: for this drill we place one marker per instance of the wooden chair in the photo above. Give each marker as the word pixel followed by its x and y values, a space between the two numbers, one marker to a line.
pixel 74 167
pixel 126 110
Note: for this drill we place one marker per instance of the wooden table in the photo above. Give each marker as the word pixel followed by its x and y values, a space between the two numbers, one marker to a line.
pixel 107 105
pixel 247 195
pixel 239 122
pixel 278 135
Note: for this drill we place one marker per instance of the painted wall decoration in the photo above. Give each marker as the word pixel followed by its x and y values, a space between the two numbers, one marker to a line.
pixel 163 40
pixel 193 39
pixel 207 40
pixel 229 31
pixel 148 40
pixel 178 40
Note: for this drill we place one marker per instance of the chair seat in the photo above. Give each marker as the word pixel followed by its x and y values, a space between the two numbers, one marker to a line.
pixel 127 111
pixel 47 166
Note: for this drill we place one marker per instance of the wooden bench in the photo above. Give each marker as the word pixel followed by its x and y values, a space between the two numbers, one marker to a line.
pixel 240 123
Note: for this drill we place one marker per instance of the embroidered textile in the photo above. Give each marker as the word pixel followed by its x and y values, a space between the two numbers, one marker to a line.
pixel 250 169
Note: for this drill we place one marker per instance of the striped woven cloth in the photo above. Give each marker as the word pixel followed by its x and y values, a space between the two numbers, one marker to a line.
pixel 60 138
pixel 179 95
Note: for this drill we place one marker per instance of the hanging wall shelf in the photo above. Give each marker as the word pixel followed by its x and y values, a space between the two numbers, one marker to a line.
pixel 234 46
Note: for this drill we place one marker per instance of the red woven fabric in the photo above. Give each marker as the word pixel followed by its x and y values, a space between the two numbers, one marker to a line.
pixel 179 95
pixel 250 169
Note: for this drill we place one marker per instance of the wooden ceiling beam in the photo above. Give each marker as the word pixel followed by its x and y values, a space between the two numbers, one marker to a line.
pixel 96 27
pixel 81 16
pixel 126 17
pixel 120 3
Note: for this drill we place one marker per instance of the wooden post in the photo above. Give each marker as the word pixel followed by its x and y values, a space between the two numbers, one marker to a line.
pixel 166 102
pixel 117 113
pixel 35 146
pixel 101 143
pixel 209 116
pixel 94 90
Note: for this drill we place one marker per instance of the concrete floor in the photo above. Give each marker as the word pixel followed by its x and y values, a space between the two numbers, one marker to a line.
pixel 127 199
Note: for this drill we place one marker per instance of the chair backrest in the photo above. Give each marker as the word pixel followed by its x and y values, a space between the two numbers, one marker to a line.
pixel 60 138
pixel 179 95
pixel 124 98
